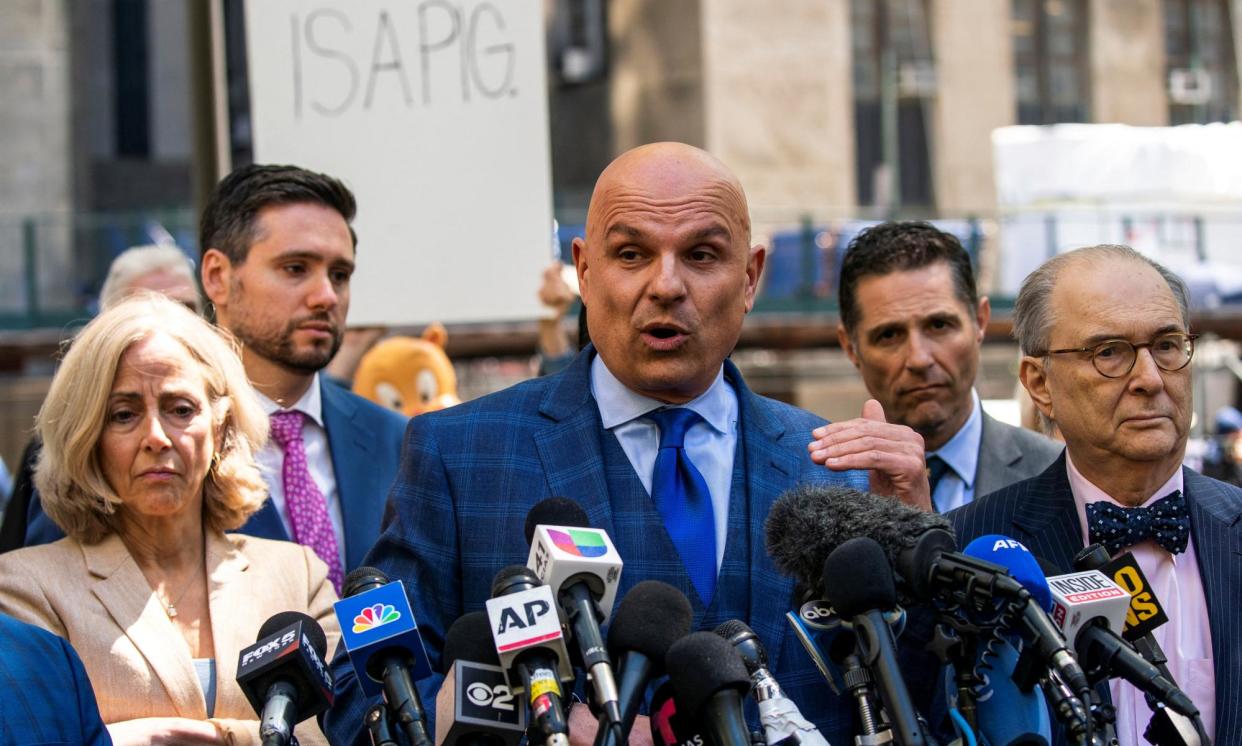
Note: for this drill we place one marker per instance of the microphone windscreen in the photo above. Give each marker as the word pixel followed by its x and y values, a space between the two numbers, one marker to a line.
pixel 469 639
pixel 806 523
pixel 701 664
pixel 858 578
pixel 513 578
pixel 362 579
pixel 745 642
pixel 555 511
pixel 651 617
pixel 1018 560
pixel 311 628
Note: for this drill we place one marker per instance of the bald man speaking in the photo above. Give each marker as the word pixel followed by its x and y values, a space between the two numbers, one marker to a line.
pixel 667 274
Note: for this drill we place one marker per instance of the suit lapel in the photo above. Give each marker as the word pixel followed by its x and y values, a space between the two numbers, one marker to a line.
pixel 569 443
pixel 362 501
pixel 1214 514
pixel 226 593
pixel 997 454
pixel 266 523
pixel 1045 517
pixel 770 470
pixel 125 593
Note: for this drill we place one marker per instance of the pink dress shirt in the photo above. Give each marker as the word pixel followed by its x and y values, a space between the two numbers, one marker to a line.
pixel 1187 637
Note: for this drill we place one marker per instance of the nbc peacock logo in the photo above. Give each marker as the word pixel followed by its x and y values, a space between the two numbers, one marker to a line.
pixel 376 615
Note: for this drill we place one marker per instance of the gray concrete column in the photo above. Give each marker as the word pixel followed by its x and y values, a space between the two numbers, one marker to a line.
pixel 1126 50
pixel 973 50
pixel 764 86
pixel 779 102
pixel 35 155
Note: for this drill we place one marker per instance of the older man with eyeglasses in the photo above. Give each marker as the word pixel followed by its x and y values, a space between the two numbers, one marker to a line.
pixel 1106 348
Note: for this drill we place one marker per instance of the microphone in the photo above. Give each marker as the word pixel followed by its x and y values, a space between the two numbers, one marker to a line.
pixel 1091 609
pixel 283 675
pixel 817 627
pixel 1005 713
pixel 1145 615
pixel 782 721
pixel 858 582
pixel 531 647
pixel 651 617
pixel 484 713
pixel 384 646
pixel 808 522
pixel 1008 712
pixel 709 679
pixel 670 726
pixel 583 569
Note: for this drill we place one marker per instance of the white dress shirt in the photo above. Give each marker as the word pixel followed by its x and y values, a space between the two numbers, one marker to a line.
pixel 710 444
pixel 1186 638
pixel 318 459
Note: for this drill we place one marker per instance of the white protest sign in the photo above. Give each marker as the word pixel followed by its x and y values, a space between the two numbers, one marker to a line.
pixel 435 113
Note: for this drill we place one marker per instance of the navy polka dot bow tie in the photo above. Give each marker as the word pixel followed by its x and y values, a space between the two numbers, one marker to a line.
pixel 1166 522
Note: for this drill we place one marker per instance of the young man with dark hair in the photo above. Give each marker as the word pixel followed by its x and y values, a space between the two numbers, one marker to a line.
pixel 277 256
pixel 912 322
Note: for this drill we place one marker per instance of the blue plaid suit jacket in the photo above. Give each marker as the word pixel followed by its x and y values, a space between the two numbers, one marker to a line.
pixel 47 696
pixel 470 474
pixel 1040 513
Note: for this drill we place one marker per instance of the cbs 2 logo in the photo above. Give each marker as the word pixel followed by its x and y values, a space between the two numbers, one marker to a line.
pixel 497 696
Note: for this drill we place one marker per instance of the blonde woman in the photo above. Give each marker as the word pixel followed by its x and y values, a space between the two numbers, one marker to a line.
pixel 149 431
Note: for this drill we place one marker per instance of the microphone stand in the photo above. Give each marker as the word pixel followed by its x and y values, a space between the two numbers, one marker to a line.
pixel 1070 710
pixel 858 684
pixel 407 712
pixel 379 727
pixel 1168 728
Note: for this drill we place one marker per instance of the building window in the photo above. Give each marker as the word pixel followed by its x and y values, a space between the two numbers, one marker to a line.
pixel 893 71
pixel 1050 60
pixel 1199 60
pixel 133 101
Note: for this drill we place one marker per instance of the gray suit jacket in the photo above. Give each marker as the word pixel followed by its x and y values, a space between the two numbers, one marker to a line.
pixel 1009 454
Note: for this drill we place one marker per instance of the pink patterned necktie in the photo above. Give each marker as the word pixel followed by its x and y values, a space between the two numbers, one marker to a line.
pixel 305 504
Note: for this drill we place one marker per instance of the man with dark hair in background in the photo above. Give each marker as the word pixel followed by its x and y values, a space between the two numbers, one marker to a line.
pixel 277 255
pixel 912 323
pixel 278 252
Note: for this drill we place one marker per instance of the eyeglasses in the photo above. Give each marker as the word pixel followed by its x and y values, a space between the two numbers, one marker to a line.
pixel 1114 358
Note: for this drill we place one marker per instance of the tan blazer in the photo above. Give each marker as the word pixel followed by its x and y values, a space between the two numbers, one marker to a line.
pixel 139 664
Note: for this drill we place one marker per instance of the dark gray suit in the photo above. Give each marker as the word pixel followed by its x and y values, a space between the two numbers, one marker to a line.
pixel 1009 454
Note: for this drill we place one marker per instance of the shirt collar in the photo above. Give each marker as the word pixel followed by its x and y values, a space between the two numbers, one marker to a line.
pixel 311 403
pixel 618 404
pixel 1086 492
pixel 961 453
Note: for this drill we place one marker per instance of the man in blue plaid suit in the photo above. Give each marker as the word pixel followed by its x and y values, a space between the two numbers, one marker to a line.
pixel 668 275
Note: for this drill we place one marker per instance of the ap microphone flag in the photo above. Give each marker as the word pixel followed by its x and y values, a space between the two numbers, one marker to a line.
pixel 527 619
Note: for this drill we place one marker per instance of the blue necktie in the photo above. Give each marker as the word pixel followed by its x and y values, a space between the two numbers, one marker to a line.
pixel 681 495
pixel 1166 521
pixel 936 469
